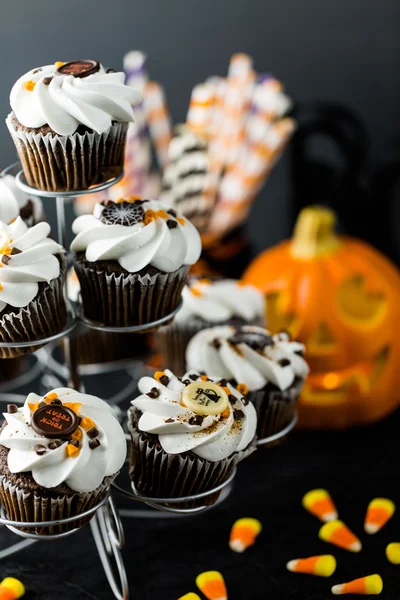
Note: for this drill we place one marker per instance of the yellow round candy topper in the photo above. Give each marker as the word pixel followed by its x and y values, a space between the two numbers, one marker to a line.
pixel 205 398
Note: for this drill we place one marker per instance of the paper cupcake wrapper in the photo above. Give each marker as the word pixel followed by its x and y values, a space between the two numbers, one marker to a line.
pixel 68 163
pixel 160 475
pixel 43 317
pixel 21 505
pixel 127 300
pixel 275 408
pixel 10 368
pixel 174 339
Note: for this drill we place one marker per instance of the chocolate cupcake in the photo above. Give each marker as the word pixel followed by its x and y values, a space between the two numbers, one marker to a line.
pixel 58 457
pixel 270 368
pixel 69 123
pixel 32 303
pixel 207 303
pixel 187 435
pixel 15 203
pixel 132 258
pixel 10 368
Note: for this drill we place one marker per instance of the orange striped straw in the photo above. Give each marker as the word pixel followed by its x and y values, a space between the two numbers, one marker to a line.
pixel 200 109
pixel 158 120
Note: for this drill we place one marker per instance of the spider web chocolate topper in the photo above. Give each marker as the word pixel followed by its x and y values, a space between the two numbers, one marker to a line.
pixel 123 213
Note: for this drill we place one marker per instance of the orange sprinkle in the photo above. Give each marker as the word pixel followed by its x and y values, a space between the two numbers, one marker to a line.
pixel 158 375
pixel 196 292
pixel 226 413
pixel 204 378
pixel 162 214
pixel 87 423
pixel 77 435
pixel 72 450
pixel 181 221
pixel 75 406
pixel 242 283
pixel 59 64
pixel 33 407
pixel 205 281
pixel 149 216
pixel 50 397
pixel 226 390
pixel 29 85
pixel 242 389
pixel 1 287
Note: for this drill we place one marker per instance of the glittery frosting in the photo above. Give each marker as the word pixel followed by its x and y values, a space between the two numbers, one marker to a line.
pixel 210 418
pixel 221 300
pixel 26 259
pixel 247 354
pixel 12 199
pixel 65 98
pixel 95 449
pixel 137 233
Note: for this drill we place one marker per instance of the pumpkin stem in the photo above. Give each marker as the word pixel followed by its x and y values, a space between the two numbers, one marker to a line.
pixel 314 233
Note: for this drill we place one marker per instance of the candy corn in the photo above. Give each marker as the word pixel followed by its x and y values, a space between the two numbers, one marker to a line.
pixel 338 534
pixel 212 585
pixel 321 566
pixel 244 533
pixel 190 596
pixel 393 553
pixel 379 511
pixel 320 504
pixel 11 589
pixel 371 585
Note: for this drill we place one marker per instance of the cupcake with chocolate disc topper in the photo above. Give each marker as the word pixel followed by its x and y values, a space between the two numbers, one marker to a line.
pixel 132 258
pixel 58 457
pixel 207 303
pixel 270 368
pixel 187 435
pixel 69 123
pixel 32 273
pixel 15 203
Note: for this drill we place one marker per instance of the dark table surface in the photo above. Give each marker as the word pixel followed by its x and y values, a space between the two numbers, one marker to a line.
pixel 164 555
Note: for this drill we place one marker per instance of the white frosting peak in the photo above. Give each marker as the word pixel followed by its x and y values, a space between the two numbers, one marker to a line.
pixel 83 471
pixel 247 354
pixel 213 437
pixel 219 301
pixel 44 96
pixel 145 239
pixel 26 259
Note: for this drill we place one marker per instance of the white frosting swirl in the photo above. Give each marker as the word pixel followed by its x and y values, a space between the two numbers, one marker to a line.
pixel 65 102
pixel 20 273
pixel 83 472
pixel 216 438
pixel 278 362
pixel 219 301
pixel 139 245
pixel 12 199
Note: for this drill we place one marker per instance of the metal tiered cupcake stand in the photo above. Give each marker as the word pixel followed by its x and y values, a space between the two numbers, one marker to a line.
pixel 105 522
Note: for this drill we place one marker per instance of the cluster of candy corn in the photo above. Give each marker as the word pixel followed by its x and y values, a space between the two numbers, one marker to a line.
pixel 320 504
pixel 211 584
pixel 11 589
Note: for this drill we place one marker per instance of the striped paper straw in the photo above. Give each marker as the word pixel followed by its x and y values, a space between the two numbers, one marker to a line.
pixel 158 120
pixel 200 108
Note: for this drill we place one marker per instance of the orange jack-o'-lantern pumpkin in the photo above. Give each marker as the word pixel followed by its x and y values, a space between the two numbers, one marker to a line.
pixel 341 298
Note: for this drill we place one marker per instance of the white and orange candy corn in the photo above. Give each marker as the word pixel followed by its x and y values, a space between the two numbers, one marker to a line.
pixel 379 512
pixel 393 553
pixel 212 585
pixel 365 586
pixel 320 504
pixel 244 533
pixel 321 566
pixel 190 596
pixel 338 534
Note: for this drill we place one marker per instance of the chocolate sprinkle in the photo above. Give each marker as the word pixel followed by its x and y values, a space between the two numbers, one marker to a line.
pixel 40 449
pixel 12 408
pixel 164 380
pixel 170 420
pixel 172 224
pixel 197 420
pixel 56 401
pixel 47 80
pixel 216 344
pixel 193 377
pixel 284 362
pixel 153 393
pixel 55 444
pixel 15 251
pixel 5 259
pixel 37 71
pixel 232 398
pixel 223 382
pixel 172 212
pixel 95 443
pixel 93 432
pixel 42 404
pixel 245 400
pixel 124 213
pixel 238 414
pixel 75 443
pixel 186 381
pixel 299 352
pixel 253 339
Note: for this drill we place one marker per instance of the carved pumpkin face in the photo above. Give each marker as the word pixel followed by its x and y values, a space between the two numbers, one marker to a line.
pixel 341 298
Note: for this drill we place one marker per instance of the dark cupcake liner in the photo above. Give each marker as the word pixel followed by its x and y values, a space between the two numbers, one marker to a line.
pixel 275 408
pixel 126 300
pixel 10 368
pixel 45 316
pixel 57 163
pixel 157 474
pixel 174 339
pixel 24 506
